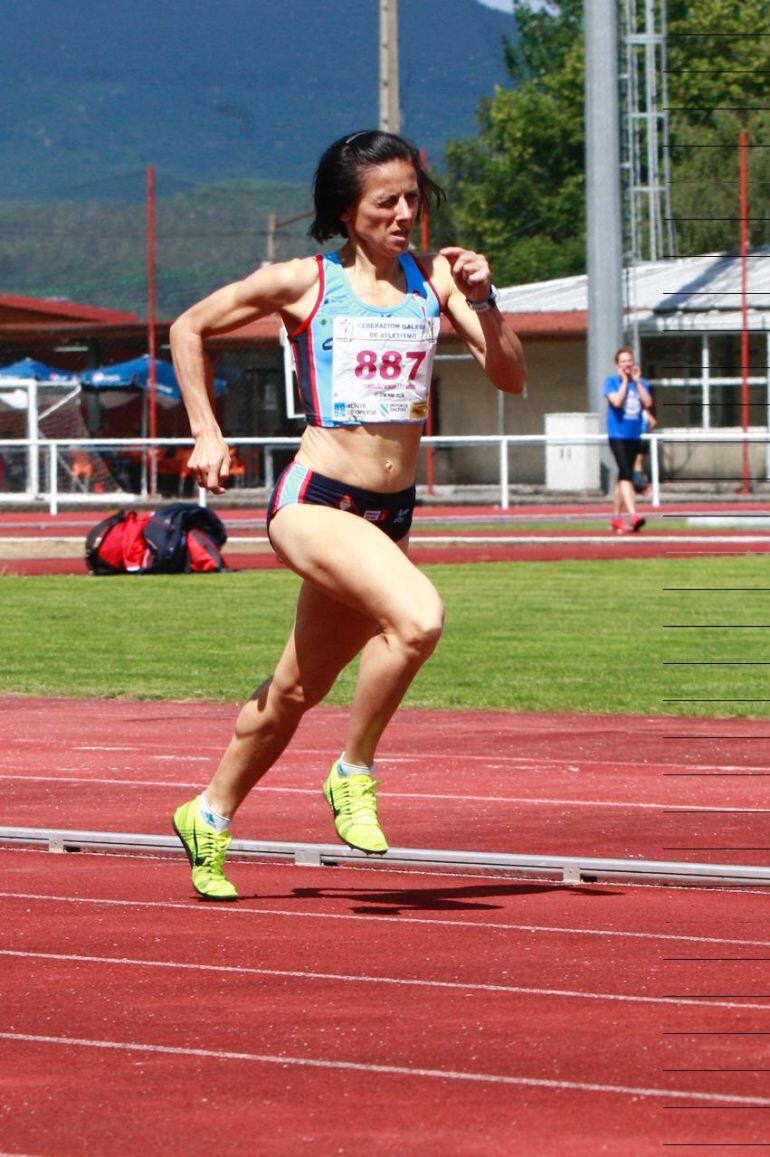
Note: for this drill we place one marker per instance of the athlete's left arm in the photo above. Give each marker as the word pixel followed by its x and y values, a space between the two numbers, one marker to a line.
pixel 464 275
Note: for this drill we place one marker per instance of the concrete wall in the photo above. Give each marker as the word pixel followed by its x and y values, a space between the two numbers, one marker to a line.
pixel 468 404
pixel 712 462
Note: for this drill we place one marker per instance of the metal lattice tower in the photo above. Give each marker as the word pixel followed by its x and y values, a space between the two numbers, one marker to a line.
pixel 648 224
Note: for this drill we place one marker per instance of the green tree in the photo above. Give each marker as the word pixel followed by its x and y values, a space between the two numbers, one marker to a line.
pixel 718 52
pixel 517 189
pixel 705 183
pixel 719 63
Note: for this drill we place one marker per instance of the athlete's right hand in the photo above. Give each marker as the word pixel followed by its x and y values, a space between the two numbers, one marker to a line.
pixel 210 462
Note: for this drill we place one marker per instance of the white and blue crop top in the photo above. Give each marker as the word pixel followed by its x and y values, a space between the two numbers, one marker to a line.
pixel 357 364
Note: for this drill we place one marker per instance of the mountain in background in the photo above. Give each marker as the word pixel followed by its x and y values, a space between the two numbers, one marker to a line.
pixel 93 91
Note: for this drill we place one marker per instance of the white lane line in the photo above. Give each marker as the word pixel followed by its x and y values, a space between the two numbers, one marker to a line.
pixel 605 539
pixel 509 989
pixel 387 1070
pixel 385 792
pixel 497 762
pixel 485 926
pixel 499 759
pixel 103 780
pixel 509 539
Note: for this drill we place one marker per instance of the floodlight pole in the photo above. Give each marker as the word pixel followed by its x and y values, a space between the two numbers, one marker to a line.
pixel 604 250
pixel 744 197
pixel 152 392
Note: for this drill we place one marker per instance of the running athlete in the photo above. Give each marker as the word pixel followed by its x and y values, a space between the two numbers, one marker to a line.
pixel 363 323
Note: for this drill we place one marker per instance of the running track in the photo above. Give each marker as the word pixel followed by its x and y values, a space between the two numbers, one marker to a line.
pixel 369 1010
pixel 535 534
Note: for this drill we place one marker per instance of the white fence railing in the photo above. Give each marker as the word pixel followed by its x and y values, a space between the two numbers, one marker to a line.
pixel 42 485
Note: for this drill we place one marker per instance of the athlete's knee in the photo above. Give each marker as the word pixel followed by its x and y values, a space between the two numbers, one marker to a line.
pixel 420 630
pixel 301 692
pixel 277 701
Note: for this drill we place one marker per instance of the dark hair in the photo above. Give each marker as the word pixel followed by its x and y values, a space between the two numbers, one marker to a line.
pixel 337 182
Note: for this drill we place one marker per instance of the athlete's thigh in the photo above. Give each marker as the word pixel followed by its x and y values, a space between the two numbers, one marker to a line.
pixel 354 563
pixel 326 637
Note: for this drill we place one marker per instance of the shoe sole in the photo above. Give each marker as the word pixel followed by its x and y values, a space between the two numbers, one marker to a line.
pixel 205 895
pixel 638 525
pixel 356 847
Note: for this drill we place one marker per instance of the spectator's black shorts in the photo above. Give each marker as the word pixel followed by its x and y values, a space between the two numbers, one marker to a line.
pixel 625 451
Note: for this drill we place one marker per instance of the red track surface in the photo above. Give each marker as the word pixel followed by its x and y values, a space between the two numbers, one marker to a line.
pixel 355 1010
pixel 516 525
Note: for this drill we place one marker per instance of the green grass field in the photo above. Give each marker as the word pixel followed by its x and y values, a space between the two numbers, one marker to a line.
pixel 572 636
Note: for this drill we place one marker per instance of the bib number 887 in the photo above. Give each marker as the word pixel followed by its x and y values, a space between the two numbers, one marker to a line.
pixel 389 366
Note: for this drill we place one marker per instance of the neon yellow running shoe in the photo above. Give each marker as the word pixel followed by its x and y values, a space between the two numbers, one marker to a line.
pixel 353 803
pixel 206 849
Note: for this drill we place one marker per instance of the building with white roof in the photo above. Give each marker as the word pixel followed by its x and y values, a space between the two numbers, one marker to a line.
pixel 684 318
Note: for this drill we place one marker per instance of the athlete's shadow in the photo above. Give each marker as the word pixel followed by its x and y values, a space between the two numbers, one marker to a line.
pixel 467 898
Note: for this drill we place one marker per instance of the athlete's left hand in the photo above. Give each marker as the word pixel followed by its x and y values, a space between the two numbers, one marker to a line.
pixel 470 271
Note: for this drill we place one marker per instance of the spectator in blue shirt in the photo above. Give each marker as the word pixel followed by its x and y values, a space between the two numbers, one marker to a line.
pixel 628 397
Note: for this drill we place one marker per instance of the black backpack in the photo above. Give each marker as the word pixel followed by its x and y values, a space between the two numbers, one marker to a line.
pixel 167 542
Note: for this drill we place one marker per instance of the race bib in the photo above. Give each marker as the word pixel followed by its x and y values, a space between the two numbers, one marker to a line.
pixel 381 368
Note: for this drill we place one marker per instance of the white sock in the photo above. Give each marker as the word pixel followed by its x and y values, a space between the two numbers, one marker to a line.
pixel 210 817
pixel 348 768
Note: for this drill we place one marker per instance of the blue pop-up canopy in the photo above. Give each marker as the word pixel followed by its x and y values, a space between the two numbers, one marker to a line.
pixel 17 379
pixel 135 375
pixel 28 370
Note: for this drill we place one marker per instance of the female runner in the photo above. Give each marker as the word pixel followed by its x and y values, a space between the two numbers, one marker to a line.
pixel 363 323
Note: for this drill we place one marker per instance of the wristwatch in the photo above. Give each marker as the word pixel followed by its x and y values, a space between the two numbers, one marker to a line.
pixel 488 302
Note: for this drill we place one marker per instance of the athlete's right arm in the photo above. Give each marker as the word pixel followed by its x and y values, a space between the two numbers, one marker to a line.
pixel 286 288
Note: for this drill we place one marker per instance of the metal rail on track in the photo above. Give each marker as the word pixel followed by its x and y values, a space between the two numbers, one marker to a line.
pixel 571 869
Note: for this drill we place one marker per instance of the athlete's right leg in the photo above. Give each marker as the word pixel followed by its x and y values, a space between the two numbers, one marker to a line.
pixel 369 575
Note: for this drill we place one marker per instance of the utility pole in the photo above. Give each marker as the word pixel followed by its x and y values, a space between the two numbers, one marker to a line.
pixel 390 111
pixel 270 241
pixel 603 201
pixel 271 233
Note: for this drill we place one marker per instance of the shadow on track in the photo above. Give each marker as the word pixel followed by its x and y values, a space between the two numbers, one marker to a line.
pixel 466 898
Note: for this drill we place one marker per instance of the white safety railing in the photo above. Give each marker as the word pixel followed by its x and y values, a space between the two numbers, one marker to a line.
pixel 46 489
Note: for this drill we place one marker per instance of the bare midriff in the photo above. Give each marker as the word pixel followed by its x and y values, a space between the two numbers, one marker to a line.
pixel 380 457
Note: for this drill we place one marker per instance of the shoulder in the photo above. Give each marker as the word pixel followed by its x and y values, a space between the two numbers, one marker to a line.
pixel 436 269
pixel 611 383
pixel 288 280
